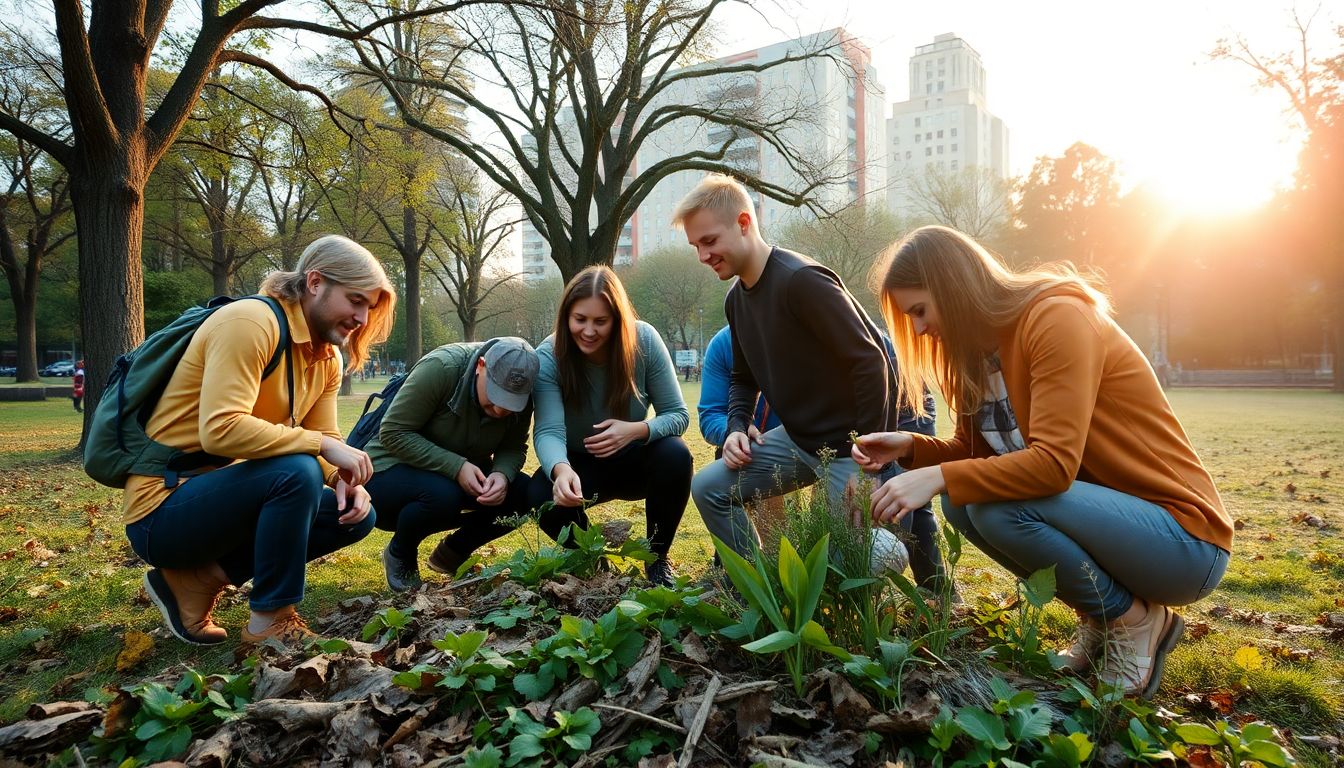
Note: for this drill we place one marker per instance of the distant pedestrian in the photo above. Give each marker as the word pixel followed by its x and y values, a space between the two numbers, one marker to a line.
pixel 77 391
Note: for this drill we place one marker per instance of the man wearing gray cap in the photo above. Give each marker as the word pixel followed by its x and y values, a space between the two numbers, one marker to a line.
pixel 449 454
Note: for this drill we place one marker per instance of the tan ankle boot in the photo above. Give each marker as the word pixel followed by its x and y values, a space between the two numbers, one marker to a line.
pixel 186 598
pixel 288 627
pixel 1136 653
pixel 1086 649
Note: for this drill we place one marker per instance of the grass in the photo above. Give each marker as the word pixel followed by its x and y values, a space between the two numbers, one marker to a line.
pixel 70 585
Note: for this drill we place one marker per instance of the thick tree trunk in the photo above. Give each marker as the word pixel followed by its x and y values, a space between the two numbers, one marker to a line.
pixel 469 327
pixel 410 255
pixel 109 214
pixel 25 311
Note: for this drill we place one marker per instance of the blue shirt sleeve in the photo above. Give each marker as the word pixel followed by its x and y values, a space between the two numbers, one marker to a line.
pixel 660 380
pixel 713 407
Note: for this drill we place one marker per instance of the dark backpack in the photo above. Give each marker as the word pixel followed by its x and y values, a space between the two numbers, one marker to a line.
pixel 116 445
pixel 371 421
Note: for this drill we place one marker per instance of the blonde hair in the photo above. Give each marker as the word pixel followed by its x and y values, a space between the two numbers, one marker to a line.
pixel 975 296
pixel 344 262
pixel 598 282
pixel 719 194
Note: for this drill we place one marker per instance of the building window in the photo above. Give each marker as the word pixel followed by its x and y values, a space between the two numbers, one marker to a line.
pixel 916 122
pixel 917 138
pixel 954 165
pixel 940 149
pixel 954 147
pixel 940 134
pixel 928 151
pixel 928 135
pixel 954 133
pixel 907 154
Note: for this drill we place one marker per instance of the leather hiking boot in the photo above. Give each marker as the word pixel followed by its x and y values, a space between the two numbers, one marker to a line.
pixel 1136 653
pixel 1086 650
pixel 186 598
pixel 661 573
pixel 402 575
pixel 288 627
pixel 444 560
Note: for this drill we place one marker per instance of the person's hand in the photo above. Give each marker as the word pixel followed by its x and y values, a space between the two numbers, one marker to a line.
pixel 876 450
pixel 905 493
pixel 496 486
pixel 358 499
pixel 354 465
pixel 612 435
pixel 567 490
pixel 737 448
pixel 471 478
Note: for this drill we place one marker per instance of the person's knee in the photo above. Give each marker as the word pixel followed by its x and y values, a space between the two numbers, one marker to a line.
pixel 364 527
pixel 710 492
pixel 671 456
pixel 999 523
pixel 298 474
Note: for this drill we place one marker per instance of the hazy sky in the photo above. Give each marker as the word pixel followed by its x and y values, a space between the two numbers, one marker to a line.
pixel 1132 78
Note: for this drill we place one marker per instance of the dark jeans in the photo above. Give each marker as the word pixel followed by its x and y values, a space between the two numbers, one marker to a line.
pixel 415 504
pixel 658 472
pixel 262 519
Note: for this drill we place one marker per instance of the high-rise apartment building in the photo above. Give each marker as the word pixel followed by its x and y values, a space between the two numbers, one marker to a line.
pixel 838 126
pixel 946 125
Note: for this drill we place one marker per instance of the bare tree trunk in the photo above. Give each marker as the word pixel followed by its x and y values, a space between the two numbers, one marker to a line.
pixel 410 255
pixel 109 213
pixel 23 282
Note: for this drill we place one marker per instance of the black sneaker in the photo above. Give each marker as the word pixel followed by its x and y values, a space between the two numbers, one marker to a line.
pixel 660 572
pixel 444 560
pixel 402 576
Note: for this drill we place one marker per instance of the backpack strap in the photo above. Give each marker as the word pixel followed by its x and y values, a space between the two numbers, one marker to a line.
pixel 281 349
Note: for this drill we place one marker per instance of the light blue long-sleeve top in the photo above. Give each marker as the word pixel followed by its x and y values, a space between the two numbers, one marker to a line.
pixel 713 408
pixel 559 430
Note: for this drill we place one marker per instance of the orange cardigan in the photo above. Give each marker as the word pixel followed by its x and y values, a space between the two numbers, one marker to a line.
pixel 1089 408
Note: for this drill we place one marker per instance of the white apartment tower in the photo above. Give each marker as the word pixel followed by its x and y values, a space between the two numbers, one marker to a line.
pixel 844 127
pixel 945 125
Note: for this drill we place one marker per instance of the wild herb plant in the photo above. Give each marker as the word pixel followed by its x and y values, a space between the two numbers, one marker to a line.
pixel 562 743
pixel 801 582
pixel 167 720
pixel 599 650
pixel 1014 627
pixel 387 624
pixel 471 667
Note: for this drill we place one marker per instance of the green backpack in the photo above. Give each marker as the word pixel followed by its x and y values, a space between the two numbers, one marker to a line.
pixel 116 445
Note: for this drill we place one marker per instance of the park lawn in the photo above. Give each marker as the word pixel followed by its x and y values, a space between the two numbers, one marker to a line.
pixel 70 585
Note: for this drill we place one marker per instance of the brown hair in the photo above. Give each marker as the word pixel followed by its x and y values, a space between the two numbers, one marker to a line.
pixel 975 296
pixel 345 262
pixel 600 282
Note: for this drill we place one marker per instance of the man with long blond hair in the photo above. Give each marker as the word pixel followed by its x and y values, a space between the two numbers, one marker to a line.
pixel 800 339
pixel 262 512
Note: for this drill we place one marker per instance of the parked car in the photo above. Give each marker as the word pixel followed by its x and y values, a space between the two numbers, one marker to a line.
pixel 59 368
pixel 8 370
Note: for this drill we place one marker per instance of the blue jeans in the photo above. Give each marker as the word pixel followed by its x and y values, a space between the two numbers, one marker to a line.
pixel 262 519
pixel 416 503
pixel 1107 547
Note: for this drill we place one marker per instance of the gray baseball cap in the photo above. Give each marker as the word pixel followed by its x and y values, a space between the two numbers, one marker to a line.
pixel 510 372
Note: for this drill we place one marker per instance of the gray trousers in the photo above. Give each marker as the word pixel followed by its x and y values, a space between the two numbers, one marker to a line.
pixel 1107 547
pixel 777 467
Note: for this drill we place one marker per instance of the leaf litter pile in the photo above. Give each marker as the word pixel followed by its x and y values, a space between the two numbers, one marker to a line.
pixel 559 657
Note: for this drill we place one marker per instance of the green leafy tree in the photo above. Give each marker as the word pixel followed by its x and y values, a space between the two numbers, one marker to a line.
pixel 1067 209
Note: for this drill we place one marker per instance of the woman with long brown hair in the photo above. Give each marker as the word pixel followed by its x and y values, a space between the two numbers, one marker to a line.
pixel 601 372
pixel 1066 451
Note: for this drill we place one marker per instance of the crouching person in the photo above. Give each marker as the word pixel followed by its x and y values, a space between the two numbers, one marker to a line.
pixel 450 452
pixel 264 513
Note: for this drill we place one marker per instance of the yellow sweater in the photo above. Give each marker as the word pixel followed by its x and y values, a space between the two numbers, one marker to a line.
pixel 216 401
pixel 1089 408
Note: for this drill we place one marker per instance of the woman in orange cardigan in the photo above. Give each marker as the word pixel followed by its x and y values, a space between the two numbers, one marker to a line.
pixel 1066 451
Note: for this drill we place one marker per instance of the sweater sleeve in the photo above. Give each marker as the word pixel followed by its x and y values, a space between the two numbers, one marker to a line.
pixel 814 293
pixel 927 450
pixel 713 407
pixel 671 416
pixel 322 416
pixel 1065 358
pixel 548 431
pixel 428 386
pixel 743 390
pixel 227 427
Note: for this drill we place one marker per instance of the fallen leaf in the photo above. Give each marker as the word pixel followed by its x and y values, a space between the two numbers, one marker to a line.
pixel 135 646
pixel 37 550
pixel 1198 629
pixel 1325 473
pixel 1248 658
pixel 8 613
pixel 1268 537
pixel 1290 489
pixel 1238 524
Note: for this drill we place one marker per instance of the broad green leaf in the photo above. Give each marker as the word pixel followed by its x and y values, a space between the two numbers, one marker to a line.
pixel 983 726
pixel 1039 588
pixel 534 687
pixel 750 583
pixel 773 642
pixel 1268 753
pixel 817 564
pixel 849 584
pixel 488 756
pixel 523 746
pixel 1198 733
pixel 815 636
pixel 1024 724
pixel 150 729
pixel 1257 732
pixel 792 575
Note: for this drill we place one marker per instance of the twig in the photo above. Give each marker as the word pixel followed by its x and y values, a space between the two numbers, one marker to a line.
pixel 734 691
pixel 698 725
pixel 642 716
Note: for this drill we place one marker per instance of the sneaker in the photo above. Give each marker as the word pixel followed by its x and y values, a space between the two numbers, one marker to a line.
pixel 288 627
pixel 187 598
pixel 660 572
pixel 1087 647
pixel 444 560
pixel 1137 653
pixel 402 575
